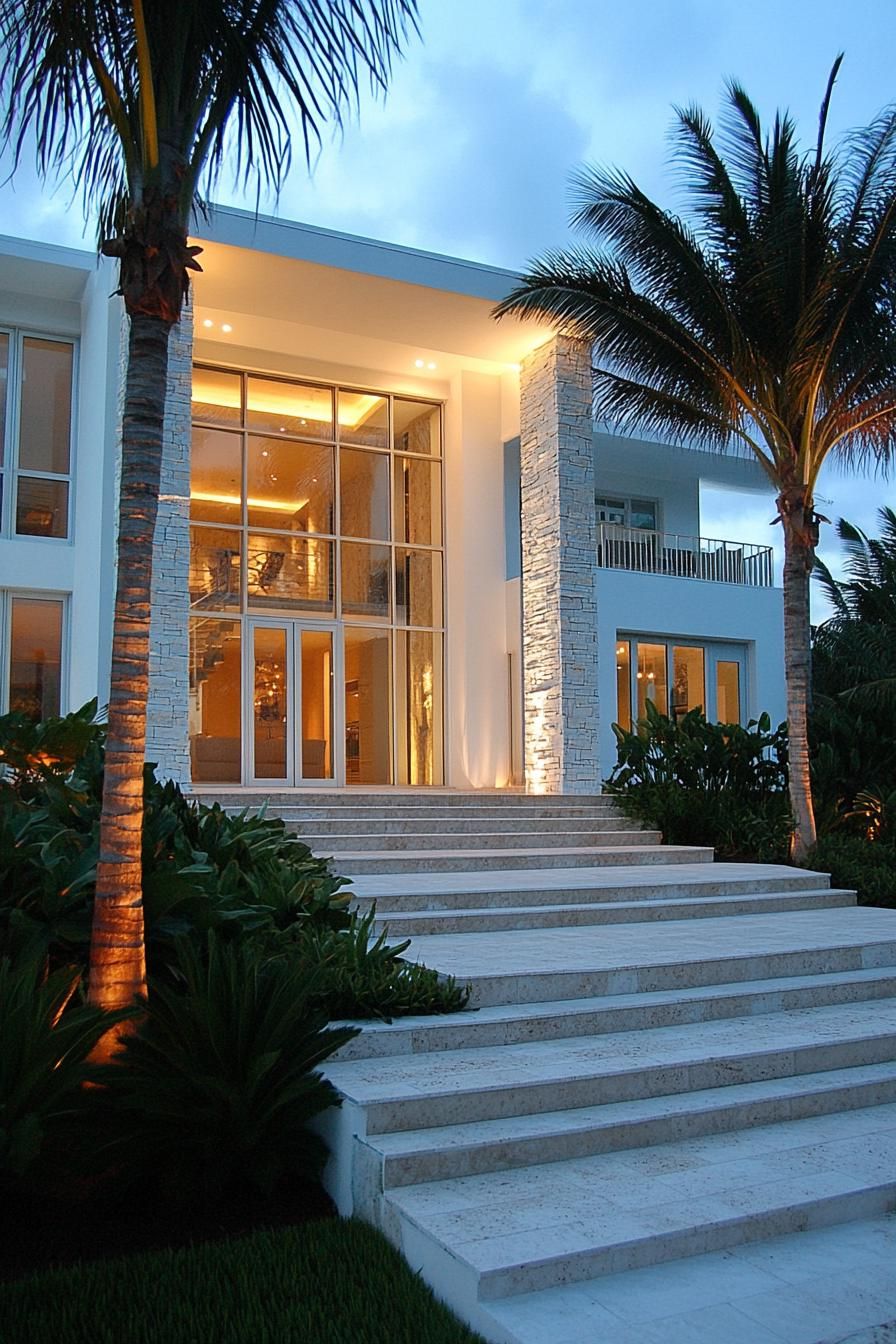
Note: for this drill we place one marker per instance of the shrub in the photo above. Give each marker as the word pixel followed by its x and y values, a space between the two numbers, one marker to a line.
pixel 702 783
pixel 45 1039
pixel 362 976
pixel 211 1096
pixel 858 864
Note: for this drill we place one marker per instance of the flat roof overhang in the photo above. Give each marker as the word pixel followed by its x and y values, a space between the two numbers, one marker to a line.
pixel 292 288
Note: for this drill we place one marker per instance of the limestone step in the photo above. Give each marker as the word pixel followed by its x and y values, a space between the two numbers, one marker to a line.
pixel 535 837
pixel 527 1230
pixel 474 890
pixel 413 1157
pixel 400 924
pixel 468 1086
pixel 827 1285
pixel 456 823
pixel 394 798
pixel 354 861
pixel 512 1024
pixel 530 966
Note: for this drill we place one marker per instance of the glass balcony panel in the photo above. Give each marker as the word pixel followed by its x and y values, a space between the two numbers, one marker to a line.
pixel 280 407
pixel 365 580
pixel 4 383
pixel 418 427
pixel 216 476
pixel 363 494
pixel 287 573
pixel 363 418
pixel 45 410
pixel 417 508
pixel 217 395
pixel 418 587
pixel 214 568
pixel 290 485
pixel 215 701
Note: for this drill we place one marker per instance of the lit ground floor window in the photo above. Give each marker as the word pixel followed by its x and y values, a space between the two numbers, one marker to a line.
pixel 678 675
pixel 32 629
pixel 291 702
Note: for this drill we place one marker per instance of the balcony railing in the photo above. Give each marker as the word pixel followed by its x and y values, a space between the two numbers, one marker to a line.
pixel 684 557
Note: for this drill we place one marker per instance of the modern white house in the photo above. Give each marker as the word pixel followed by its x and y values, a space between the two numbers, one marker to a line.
pixel 392 550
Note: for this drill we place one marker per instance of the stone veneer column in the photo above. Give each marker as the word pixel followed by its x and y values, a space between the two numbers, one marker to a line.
pixel 167 726
pixel 559 559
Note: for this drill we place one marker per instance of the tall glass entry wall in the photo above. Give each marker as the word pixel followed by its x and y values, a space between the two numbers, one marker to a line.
pixel 316 583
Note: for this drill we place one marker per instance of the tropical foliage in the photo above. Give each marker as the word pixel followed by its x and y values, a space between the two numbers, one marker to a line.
pixel 702 783
pixel 144 105
pixel 761 321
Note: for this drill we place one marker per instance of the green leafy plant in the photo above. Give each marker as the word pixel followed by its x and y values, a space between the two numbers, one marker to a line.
pixel 702 783
pixel 858 864
pixel 211 1096
pixel 364 976
pixel 45 1040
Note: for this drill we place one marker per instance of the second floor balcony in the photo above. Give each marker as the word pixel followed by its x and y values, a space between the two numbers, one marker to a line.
pixel 684 557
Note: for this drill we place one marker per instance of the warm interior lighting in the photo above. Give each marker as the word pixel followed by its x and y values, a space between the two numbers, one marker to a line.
pixel 418 363
pixel 354 407
pixel 207 322
pixel 278 505
pixel 225 326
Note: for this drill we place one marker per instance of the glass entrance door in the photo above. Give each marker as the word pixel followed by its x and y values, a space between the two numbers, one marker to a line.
pixel 292 705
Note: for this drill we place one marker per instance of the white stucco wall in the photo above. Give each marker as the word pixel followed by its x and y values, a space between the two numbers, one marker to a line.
pixel 655 604
pixel 478 707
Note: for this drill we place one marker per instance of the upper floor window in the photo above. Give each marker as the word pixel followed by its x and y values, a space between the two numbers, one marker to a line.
pixel 627 512
pixel 36 382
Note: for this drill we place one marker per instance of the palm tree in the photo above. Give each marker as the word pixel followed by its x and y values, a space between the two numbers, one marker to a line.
pixel 761 321
pixel 143 104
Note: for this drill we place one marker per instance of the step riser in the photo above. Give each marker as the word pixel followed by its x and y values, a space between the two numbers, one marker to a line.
pixel 634 913
pixel 485 825
pixel 453 1163
pixel 452 825
pixel 696 1240
pixel 473 1035
pixel 513 896
pixel 555 985
pixel 462 863
pixel 626 1085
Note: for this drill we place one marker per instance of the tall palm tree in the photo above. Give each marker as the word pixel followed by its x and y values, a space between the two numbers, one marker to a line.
pixel 144 104
pixel 761 321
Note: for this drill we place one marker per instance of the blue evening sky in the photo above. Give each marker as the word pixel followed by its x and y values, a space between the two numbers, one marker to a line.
pixel 471 152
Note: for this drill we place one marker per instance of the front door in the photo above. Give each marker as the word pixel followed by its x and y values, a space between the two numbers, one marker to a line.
pixel 292 709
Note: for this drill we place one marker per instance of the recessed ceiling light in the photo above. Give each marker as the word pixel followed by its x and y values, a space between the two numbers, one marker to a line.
pixel 282 429
pixel 207 322
pixel 432 366
pixel 418 363
pixel 225 326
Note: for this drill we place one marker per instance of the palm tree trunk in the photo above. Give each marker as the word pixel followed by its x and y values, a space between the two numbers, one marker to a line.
pixel 799 553
pixel 117 951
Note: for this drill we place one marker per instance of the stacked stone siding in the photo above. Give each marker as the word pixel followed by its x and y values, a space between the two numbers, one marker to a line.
pixel 559 556
pixel 167 728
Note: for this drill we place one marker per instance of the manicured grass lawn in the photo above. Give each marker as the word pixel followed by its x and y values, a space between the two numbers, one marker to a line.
pixel 330 1282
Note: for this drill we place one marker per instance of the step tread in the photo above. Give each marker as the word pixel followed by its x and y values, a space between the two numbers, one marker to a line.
pixel 619 877
pixel 399 917
pixel 458 1073
pixel 505 1223
pixel 817 1286
pixel 587 1119
pixel 497 852
pixel 677 942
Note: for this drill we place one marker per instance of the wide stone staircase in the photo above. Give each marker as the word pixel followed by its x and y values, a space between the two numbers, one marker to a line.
pixel 670 1115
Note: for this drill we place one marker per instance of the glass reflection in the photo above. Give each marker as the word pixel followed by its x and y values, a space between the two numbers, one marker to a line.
pixel 215 701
